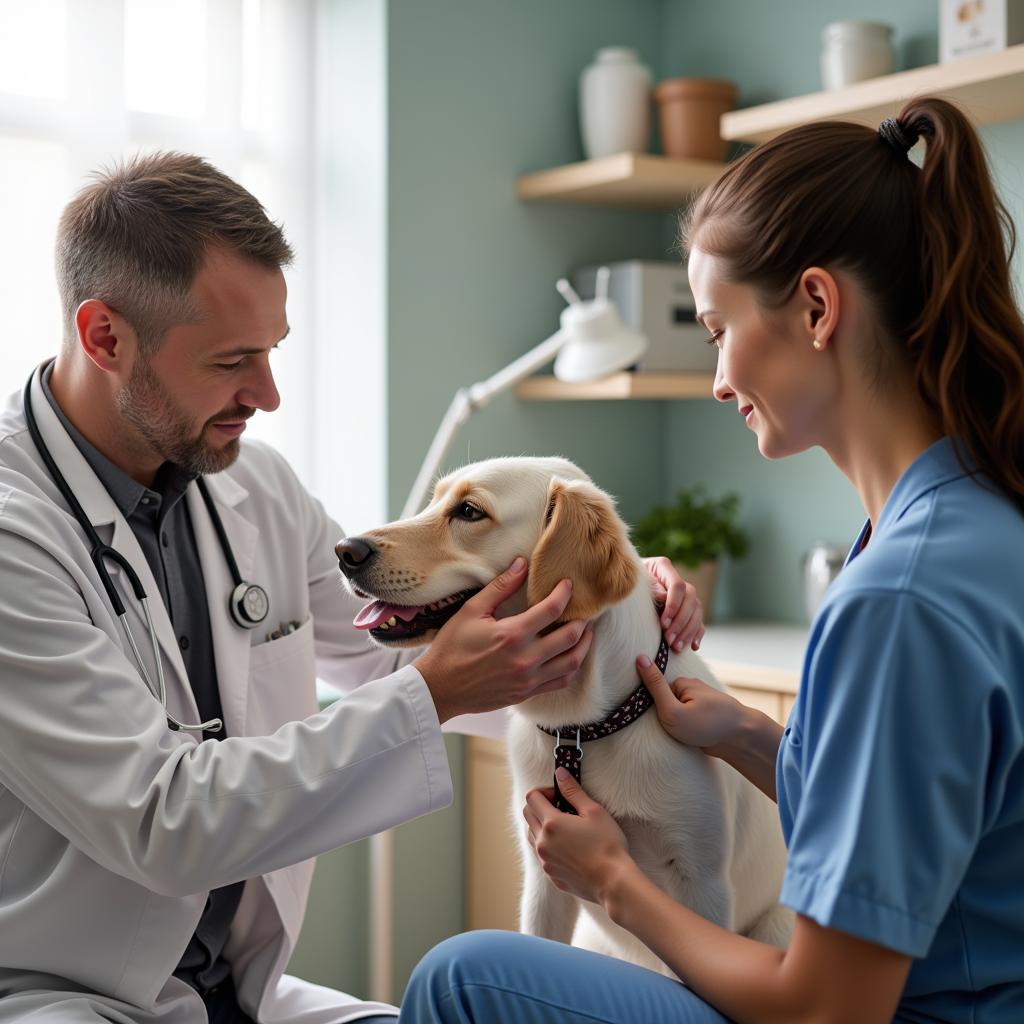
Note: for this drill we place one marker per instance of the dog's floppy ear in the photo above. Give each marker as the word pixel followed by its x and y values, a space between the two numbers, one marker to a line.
pixel 584 540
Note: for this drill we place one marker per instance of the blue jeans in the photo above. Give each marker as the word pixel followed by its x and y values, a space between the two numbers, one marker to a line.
pixel 492 977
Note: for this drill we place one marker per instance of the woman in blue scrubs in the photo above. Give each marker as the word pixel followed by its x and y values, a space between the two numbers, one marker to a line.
pixel 861 303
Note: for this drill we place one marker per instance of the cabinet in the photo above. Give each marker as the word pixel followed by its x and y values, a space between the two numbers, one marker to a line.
pixel 760 665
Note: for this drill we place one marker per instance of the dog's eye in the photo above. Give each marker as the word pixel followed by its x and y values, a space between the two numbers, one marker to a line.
pixel 470 513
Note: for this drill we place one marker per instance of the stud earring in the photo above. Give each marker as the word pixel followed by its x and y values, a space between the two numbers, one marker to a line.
pixel 817 345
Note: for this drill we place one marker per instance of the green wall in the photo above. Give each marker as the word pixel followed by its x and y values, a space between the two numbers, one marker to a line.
pixel 481 92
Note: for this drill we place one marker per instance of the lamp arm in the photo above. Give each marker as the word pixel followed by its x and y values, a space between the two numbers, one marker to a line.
pixel 517 370
pixel 458 412
pixel 465 403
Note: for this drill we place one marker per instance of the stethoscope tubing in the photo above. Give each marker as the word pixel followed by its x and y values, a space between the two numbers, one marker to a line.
pixel 100 552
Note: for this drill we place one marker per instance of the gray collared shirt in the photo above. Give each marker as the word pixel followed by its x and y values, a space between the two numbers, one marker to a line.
pixel 160 520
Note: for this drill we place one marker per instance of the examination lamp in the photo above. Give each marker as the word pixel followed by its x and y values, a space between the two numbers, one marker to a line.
pixel 591 343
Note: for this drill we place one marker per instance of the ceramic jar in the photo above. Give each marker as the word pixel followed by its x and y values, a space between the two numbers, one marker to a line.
pixel 854 50
pixel 615 102
pixel 689 111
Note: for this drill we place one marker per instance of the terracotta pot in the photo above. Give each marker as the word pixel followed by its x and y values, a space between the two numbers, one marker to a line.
pixel 689 110
pixel 703 577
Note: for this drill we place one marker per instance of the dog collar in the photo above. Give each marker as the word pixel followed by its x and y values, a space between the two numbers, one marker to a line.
pixel 570 755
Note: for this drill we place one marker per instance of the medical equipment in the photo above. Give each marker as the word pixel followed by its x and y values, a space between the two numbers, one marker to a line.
pixel 248 603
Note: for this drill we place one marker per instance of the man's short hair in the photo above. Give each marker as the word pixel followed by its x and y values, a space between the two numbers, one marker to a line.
pixel 136 236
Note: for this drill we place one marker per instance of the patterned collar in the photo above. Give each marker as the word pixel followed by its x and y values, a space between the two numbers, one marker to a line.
pixel 570 755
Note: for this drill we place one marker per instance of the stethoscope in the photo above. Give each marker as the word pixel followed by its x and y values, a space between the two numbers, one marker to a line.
pixel 248 603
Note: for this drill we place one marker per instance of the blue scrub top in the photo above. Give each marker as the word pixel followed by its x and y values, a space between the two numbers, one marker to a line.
pixel 900 777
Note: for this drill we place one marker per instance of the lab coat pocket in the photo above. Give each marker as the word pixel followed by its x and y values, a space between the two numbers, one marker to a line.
pixel 282 681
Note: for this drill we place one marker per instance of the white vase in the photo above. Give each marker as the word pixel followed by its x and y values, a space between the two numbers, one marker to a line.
pixel 852 51
pixel 615 104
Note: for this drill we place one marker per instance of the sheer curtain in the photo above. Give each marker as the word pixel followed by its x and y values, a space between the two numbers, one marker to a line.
pixel 85 82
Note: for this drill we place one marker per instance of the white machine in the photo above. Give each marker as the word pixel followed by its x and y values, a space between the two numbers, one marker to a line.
pixel 654 297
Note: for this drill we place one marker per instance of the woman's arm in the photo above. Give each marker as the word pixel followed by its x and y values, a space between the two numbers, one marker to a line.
pixel 698 715
pixel 825 977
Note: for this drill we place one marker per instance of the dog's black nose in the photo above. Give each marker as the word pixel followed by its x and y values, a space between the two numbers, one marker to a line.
pixel 354 554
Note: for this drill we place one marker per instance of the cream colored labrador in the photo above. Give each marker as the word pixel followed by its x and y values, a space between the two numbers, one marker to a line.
pixel 701 832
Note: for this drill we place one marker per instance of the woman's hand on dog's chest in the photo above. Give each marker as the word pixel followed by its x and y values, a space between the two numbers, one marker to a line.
pixel 584 853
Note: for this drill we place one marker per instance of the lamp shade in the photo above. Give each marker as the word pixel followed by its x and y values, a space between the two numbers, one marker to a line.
pixel 597 342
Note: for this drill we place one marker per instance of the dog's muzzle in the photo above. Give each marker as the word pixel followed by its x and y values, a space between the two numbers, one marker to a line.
pixel 385 620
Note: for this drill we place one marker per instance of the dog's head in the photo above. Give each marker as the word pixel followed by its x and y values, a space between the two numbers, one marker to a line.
pixel 418 572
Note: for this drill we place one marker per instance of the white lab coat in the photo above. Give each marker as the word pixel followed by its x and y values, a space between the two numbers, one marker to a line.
pixel 112 826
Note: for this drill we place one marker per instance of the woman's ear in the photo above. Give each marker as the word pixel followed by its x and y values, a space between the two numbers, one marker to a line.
pixel 818 296
pixel 585 540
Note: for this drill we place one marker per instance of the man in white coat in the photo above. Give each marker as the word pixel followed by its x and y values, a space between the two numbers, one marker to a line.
pixel 151 869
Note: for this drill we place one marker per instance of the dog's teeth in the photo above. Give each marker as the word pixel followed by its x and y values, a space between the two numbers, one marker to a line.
pixel 392 621
pixel 384 625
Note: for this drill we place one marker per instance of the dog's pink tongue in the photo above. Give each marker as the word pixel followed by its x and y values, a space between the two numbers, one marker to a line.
pixel 378 612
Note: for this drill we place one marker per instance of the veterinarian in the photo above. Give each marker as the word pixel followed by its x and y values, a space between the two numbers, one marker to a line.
pixel 861 303
pixel 169 597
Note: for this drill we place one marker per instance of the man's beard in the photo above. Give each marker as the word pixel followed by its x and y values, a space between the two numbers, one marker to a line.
pixel 149 407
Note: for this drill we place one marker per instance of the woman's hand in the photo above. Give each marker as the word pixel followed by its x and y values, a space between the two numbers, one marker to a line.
pixel 480 663
pixel 698 715
pixel 583 854
pixel 692 712
pixel 682 618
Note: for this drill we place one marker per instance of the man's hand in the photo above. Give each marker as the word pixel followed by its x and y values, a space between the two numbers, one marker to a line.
pixel 682 618
pixel 480 663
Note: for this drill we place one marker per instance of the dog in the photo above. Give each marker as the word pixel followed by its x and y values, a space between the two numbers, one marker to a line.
pixel 701 832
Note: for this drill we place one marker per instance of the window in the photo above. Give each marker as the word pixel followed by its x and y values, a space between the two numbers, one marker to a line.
pixel 84 84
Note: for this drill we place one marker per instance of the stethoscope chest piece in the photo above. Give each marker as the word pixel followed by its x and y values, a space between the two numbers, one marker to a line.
pixel 248 605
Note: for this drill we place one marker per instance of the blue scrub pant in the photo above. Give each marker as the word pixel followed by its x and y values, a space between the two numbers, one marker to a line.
pixel 489 977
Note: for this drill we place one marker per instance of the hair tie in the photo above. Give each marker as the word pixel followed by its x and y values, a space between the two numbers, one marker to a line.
pixel 897 136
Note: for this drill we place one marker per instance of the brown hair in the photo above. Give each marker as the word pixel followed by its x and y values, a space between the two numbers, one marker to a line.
pixel 137 235
pixel 930 246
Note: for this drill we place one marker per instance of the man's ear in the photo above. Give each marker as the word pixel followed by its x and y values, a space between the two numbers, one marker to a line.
pixel 105 336
pixel 586 541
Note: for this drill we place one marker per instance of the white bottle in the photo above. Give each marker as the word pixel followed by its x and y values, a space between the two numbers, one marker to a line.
pixel 853 51
pixel 615 104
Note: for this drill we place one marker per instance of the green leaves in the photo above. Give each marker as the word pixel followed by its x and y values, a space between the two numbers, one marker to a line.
pixel 696 529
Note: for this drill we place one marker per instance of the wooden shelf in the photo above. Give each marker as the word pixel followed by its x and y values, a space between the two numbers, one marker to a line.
pixel 989 88
pixel 626 179
pixel 619 385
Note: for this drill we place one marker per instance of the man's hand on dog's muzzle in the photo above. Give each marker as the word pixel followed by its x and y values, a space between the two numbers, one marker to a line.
pixel 480 663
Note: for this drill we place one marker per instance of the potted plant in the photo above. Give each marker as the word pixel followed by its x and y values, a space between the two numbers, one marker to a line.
pixel 694 533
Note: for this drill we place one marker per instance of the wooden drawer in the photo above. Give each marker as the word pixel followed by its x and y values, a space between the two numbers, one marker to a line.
pixel 493 876
pixel 768 701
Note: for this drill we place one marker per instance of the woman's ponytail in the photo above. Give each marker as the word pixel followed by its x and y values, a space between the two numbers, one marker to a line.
pixel 967 344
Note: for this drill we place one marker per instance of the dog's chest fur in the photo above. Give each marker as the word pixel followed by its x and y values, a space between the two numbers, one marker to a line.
pixel 666 797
